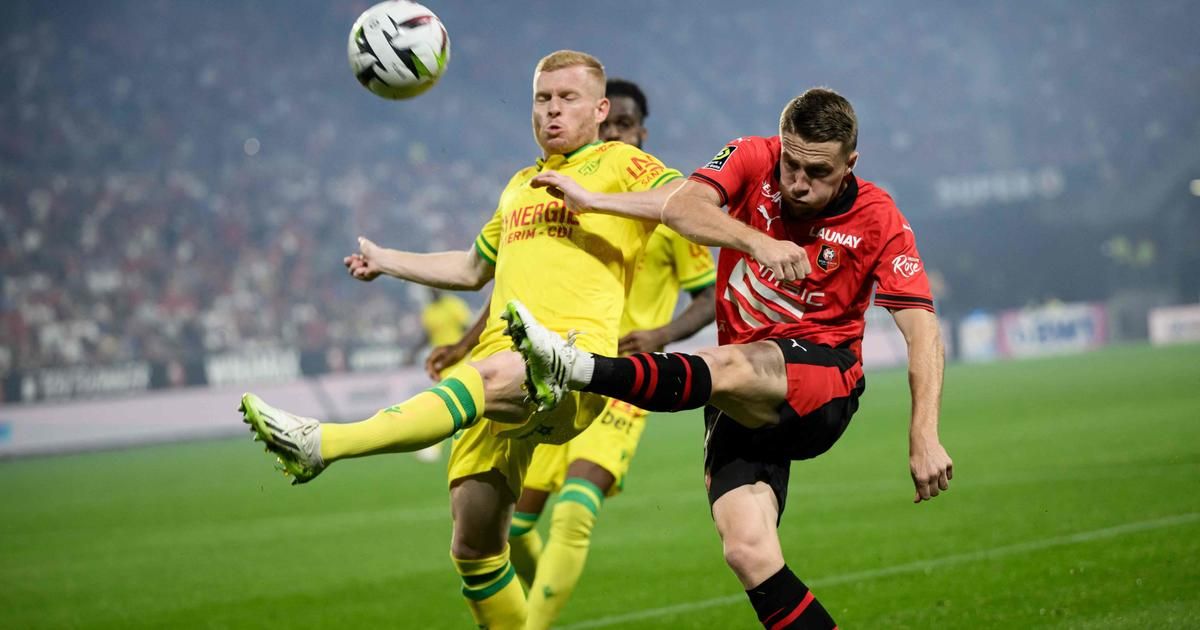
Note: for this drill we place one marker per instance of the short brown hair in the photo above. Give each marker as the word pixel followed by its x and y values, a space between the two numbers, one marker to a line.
pixel 560 59
pixel 821 115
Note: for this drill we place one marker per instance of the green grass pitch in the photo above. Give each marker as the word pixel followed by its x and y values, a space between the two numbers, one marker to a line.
pixel 1076 504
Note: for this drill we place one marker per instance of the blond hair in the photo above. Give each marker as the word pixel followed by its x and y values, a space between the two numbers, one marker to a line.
pixel 560 59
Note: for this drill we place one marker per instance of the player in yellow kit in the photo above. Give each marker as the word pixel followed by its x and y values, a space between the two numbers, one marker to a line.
pixel 593 465
pixel 443 320
pixel 484 398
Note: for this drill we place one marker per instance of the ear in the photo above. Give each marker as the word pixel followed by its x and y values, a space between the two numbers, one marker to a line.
pixel 851 161
pixel 602 107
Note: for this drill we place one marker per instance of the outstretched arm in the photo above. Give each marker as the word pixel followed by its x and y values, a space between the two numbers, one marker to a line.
pixel 463 270
pixel 645 204
pixel 690 208
pixel 700 312
pixel 929 463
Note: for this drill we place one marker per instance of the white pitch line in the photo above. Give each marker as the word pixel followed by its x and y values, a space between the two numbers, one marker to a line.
pixel 910 567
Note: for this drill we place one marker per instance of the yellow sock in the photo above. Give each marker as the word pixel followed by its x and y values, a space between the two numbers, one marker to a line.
pixel 494 597
pixel 566 551
pixel 420 421
pixel 526 545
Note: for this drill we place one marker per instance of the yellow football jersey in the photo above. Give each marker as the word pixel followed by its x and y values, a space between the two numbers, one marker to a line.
pixel 445 319
pixel 572 270
pixel 668 264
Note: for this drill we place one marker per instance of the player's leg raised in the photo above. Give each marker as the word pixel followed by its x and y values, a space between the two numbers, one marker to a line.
pixel 748 381
pixel 457 402
pixel 306 446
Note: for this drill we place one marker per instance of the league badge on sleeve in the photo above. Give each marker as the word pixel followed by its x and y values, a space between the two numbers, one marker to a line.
pixel 718 161
pixel 829 258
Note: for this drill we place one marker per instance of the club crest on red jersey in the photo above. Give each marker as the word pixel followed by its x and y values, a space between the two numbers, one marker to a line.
pixel 718 161
pixel 829 258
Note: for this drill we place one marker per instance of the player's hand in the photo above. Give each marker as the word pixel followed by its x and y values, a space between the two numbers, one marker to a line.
pixel 443 357
pixel 931 470
pixel 365 264
pixel 576 197
pixel 642 341
pixel 787 261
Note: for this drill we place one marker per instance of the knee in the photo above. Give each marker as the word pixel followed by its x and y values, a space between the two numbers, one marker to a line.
pixel 748 556
pixel 463 548
pixel 476 537
pixel 500 368
pixel 728 370
pixel 503 375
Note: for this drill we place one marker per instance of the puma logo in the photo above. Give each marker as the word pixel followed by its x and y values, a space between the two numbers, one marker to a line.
pixel 763 211
pixel 796 344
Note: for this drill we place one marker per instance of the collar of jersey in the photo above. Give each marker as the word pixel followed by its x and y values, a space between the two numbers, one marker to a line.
pixel 541 162
pixel 843 202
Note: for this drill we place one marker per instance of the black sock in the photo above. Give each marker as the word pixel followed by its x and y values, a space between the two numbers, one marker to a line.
pixel 653 381
pixel 783 601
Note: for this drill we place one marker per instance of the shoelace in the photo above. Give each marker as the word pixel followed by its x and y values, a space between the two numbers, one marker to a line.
pixel 560 368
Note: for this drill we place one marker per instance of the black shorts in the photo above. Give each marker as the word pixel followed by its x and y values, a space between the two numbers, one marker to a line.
pixel 824 385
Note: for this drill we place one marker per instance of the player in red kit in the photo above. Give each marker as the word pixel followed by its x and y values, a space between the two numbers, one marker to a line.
pixel 803 247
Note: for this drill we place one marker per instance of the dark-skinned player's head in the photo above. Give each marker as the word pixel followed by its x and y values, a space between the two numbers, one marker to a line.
pixel 626 114
pixel 819 137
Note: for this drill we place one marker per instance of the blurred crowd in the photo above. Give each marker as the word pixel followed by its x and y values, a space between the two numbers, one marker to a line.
pixel 184 179
pixel 148 217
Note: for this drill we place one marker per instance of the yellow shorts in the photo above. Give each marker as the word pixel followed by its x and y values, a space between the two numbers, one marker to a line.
pixel 610 442
pixel 508 447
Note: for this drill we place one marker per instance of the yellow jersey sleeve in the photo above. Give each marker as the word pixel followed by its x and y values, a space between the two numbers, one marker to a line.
pixel 487 244
pixel 638 170
pixel 694 266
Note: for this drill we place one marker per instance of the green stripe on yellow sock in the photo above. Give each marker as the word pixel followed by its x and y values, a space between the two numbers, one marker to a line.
pixel 561 563
pixel 464 398
pixel 455 414
pixel 476 581
pixel 583 492
pixel 580 483
pixel 522 523
pixel 478 593
pixel 494 598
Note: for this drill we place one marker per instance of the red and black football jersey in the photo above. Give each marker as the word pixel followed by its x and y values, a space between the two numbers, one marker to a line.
pixel 859 242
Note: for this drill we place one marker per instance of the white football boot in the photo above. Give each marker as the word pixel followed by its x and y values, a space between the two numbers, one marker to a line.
pixel 553 366
pixel 295 440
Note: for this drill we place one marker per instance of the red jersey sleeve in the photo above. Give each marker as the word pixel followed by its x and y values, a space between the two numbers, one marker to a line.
pixel 729 170
pixel 899 272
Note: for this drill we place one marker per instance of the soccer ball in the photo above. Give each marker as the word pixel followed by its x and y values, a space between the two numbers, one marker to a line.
pixel 398 49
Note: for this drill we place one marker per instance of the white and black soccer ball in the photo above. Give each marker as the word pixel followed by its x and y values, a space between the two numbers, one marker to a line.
pixel 398 49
